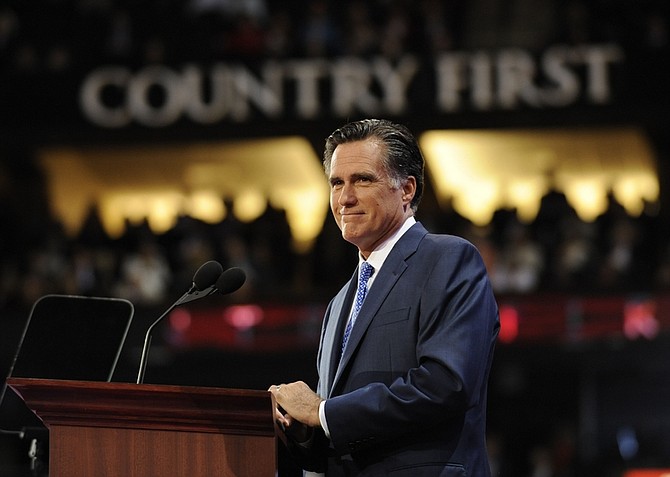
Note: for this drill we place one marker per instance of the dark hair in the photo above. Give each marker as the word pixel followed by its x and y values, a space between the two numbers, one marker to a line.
pixel 403 158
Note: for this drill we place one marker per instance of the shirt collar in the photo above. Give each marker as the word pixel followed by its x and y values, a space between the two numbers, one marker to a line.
pixel 378 255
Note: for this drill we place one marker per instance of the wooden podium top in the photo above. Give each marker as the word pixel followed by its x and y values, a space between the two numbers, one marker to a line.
pixel 148 406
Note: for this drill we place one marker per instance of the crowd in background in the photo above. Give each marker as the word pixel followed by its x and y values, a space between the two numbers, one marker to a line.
pixel 556 252
pixel 53 36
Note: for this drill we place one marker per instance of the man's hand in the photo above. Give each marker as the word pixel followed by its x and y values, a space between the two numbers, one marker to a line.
pixel 300 403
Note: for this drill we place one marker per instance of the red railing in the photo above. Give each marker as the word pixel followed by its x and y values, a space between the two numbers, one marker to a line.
pixel 551 318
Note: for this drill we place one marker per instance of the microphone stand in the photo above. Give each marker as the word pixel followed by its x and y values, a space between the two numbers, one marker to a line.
pixel 203 285
pixel 147 337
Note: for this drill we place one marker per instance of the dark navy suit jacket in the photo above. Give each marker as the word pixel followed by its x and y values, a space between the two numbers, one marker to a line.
pixel 408 397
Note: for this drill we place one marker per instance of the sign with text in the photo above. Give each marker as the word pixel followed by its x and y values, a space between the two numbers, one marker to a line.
pixel 312 88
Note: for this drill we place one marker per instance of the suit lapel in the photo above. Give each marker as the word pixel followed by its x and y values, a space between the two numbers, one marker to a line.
pixel 394 266
pixel 332 335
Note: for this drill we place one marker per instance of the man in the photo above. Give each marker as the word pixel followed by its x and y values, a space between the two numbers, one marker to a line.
pixel 406 394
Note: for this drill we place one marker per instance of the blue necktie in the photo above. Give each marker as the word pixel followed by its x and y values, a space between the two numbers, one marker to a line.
pixel 366 272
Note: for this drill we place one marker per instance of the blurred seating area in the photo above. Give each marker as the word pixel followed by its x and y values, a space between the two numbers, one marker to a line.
pixel 557 252
pixel 57 36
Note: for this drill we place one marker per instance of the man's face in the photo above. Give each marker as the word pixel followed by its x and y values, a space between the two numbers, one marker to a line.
pixel 366 206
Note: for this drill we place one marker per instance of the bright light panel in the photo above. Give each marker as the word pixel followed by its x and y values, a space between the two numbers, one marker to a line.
pixel 479 172
pixel 158 184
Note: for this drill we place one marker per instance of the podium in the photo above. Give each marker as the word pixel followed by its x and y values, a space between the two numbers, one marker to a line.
pixel 145 430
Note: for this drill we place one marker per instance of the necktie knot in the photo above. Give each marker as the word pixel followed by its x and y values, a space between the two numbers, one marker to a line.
pixel 366 273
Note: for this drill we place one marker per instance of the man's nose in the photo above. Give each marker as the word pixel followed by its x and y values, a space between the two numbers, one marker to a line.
pixel 347 195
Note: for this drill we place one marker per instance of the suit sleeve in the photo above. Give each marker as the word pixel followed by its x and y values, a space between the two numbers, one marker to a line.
pixel 456 320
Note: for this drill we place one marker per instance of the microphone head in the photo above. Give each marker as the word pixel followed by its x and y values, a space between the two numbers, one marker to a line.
pixel 231 280
pixel 207 275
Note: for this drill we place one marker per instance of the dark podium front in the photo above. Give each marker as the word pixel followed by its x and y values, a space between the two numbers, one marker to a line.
pixel 145 430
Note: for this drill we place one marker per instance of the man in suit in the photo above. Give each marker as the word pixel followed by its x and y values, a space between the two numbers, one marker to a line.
pixel 405 394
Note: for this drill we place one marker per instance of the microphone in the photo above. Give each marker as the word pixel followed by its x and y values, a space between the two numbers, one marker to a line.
pixel 227 282
pixel 231 280
pixel 204 282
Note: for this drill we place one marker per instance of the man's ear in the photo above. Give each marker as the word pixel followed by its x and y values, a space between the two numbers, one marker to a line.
pixel 409 189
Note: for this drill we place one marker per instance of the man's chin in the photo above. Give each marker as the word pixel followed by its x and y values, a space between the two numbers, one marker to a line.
pixel 350 235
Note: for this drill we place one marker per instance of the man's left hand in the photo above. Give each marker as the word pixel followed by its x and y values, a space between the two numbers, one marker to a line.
pixel 299 402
